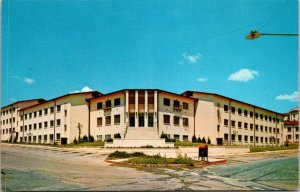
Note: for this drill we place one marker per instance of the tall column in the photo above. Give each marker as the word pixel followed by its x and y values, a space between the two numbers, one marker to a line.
pixel 126 107
pixel 136 107
pixel 146 109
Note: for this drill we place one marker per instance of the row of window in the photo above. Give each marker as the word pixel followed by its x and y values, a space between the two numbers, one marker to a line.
pixel 289 137
pixel 246 137
pixel 289 129
pixel 8 111
pixel 40 112
pixel 109 136
pixel 38 138
pixel 117 120
pixel 257 127
pixel 176 104
pixel 6 131
pixel 117 102
pixel 176 120
pixel 40 125
pixel 10 120
pixel 251 113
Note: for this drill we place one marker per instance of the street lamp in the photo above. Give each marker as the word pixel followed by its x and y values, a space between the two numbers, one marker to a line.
pixel 255 34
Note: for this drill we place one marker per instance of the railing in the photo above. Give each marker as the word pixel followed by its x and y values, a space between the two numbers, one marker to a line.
pixel 177 107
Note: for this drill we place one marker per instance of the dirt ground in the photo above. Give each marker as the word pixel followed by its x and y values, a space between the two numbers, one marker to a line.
pixel 47 168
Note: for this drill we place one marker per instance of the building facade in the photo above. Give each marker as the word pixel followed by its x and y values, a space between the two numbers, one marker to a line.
pixel 132 115
pixel 291 126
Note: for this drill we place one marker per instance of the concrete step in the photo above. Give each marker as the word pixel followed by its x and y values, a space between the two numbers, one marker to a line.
pixel 139 143
pixel 141 133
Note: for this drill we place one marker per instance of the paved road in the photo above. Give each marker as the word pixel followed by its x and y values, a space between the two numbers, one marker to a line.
pixel 47 168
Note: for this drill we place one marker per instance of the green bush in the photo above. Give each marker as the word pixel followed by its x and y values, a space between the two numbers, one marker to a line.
pixel 199 140
pixel 194 139
pixel 163 135
pixel 203 140
pixel 84 138
pixel 109 140
pixel 208 141
pixel 147 146
pixel 75 141
pixel 124 155
pixel 91 138
pixel 170 140
pixel 117 136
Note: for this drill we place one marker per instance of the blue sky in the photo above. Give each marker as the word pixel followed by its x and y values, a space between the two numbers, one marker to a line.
pixel 54 47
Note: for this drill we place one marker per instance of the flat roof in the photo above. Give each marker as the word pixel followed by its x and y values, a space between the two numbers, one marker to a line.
pixel 66 95
pixel 222 96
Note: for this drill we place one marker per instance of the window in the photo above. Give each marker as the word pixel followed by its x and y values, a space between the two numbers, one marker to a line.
pixel 185 138
pixel 131 120
pixel 166 102
pixel 45 124
pixel 99 121
pixel 58 122
pixel 107 137
pixel 270 129
pixel 240 138
pixel 58 108
pixel 233 137
pixel 245 138
pixel 270 118
pixel 58 136
pixel 117 102
pixel 51 137
pixel 256 127
pixel 226 108
pixel 21 118
pixel 261 116
pixel 256 115
pixel 52 110
pixel 266 140
pixel 40 125
pixel 251 138
pixel 245 113
pixel 274 130
pixel 289 137
pixel 185 121
pixel 266 129
pixel 251 126
pixel 251 114
pixel 99 105
pixel 233 110
pixel 274 119
pixel 239 125
pixel 20 127
pixel 66 113
pixel 176 137
pixel 167 119
pixel 176 104
pixel 246 125
pixel 218 128
pixel 141 120
pixel 51 123
pixel 117 119
pixel 226 122
pixel 256 139
pixel 25 127
pixel 40 112
pixel 176 120
pixel 34 126
pixel 262 128
pixel 107 120
pixel 45 111
pixel 226 136
pixel 108 104
pixel 266 117
pixel 34 114
pixel 185 105
pixel 261 139
pixel 239 111
pixel 30 126
pixel 150 120
pixel 233 123
pixel 30 115
pixel 65 127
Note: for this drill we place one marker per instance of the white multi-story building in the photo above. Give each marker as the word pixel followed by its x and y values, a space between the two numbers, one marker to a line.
pixel 132 116
pixel 291 126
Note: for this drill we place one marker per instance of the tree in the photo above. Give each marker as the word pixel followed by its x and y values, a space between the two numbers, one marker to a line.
pixel 194 139
pixel 79 126
pixel 208 141
pixel 203 140
pixel 199 140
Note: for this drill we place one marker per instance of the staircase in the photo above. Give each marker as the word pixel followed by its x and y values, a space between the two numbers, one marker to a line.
pixel 141 133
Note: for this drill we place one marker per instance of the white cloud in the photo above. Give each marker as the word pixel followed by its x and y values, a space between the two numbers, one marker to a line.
pixel 243 75
pixel 200 79
pixel 293 97
pixel 84 89
pixel 29 81
pixel 190 58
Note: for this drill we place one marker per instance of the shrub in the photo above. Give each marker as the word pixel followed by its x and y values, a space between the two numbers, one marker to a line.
pixel 91 138
pixel 75 141
pixel 208 141
pixel 170 140
pixel 199 140
pixel 163 135
pixel 194 139
pixel 84 138
pixel 109 140
pixel 203 140
pixel 147 146
pixel 124 155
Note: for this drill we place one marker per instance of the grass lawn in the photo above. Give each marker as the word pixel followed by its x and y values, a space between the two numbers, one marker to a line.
pixel 273 148
pixel 187 144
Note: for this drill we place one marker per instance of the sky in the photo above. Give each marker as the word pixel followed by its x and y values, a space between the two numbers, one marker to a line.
pixel 55 47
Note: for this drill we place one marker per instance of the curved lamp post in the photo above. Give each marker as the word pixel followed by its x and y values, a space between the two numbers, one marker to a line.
pixel 255 34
